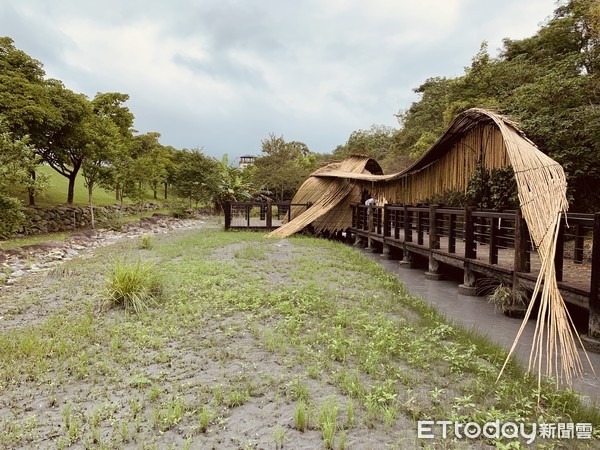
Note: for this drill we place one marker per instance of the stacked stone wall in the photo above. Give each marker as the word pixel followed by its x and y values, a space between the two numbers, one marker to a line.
pixel 66 218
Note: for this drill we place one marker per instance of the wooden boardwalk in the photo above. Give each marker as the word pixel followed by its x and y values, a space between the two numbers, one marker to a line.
pixel 486 243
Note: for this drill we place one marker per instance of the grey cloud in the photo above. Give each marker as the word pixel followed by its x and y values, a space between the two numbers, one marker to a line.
pixel 223 67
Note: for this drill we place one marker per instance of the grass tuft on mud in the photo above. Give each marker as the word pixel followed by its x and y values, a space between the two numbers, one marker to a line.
pixel 299 343
pixel 133 286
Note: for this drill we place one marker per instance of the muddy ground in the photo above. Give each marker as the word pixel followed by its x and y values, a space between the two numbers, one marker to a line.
pixel 234 352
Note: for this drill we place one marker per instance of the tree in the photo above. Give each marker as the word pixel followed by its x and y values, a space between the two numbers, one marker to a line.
pixel 24 102
pixel 376 142
pixel 150 159
pixel 106 145
pixel 65 145
pixel 549 83
pixel 16 161
pixel 233 184
pixel 195 176
pixel 284 167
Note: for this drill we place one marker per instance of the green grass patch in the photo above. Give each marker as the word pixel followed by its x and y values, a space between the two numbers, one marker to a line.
pixel 56 193
pixel 339 349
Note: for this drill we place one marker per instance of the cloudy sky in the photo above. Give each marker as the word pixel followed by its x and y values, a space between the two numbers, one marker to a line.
pixel 223 74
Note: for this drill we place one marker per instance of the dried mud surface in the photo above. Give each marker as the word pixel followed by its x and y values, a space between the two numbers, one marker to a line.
pixel 122 394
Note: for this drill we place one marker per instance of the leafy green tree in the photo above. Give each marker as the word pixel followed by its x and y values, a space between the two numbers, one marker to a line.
pixel 549 83
pixel 376 142
pixel 233 184
pixel 195 177
pixel 17 158
pixel 151 160
pixel 65 144
pixel 24 102
pixel 109 141
pixel 284 166
pixel 105 146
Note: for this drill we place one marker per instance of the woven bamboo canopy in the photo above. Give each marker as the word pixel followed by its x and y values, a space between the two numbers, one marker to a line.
pixel 475 136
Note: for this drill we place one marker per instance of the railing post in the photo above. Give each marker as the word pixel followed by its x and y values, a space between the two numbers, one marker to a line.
pixel 396 224
pixel 434 266
pixel 227 215
pixel 594 306
pixel 493 257
pixel 387 223
pixel 434 242
pixel 560 250
pixel 419 228
pixel 269 215
pixel 452 233
pixel 407 227
pixel 470 247
pixel 521 258
pixel 579 241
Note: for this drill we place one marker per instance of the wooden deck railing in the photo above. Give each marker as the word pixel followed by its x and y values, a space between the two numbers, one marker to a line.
pixel 490 242
pixel 257 215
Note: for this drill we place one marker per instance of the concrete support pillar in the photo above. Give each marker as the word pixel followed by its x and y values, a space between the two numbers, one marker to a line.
pixel 406 261
pixel 386 254
pixel 469 279
pixel 434 269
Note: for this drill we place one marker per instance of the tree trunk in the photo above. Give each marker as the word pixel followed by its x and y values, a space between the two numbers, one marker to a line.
pixel 155 194
pixel 166 190
pixel 90 189
pixel 71 192
pixel 117 193
pixel 31 190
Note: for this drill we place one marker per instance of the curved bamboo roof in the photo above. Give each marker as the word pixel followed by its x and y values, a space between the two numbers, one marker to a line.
pixel 476 135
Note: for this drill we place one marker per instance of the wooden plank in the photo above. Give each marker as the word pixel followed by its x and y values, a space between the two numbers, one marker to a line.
pixel 419 228
pixel 269 215
pixel 434 242
pixel 579 239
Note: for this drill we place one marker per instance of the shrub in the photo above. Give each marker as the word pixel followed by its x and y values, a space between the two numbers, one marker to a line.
pixel 12 216
pixel 134 287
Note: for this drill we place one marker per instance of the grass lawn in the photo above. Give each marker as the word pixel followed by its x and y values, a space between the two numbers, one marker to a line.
pixel 57 191
pixel 252 343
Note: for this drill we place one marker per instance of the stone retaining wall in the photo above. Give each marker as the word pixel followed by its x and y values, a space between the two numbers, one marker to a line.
pixel 65 218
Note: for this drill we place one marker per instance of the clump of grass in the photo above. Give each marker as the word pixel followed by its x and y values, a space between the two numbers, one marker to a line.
pixel 300 416
pixel 205 417
pixel 146 242
pixel 279 437
pixel 134 287
pixel 327 417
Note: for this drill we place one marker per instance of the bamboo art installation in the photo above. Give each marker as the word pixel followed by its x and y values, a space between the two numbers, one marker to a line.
pixel 475 136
